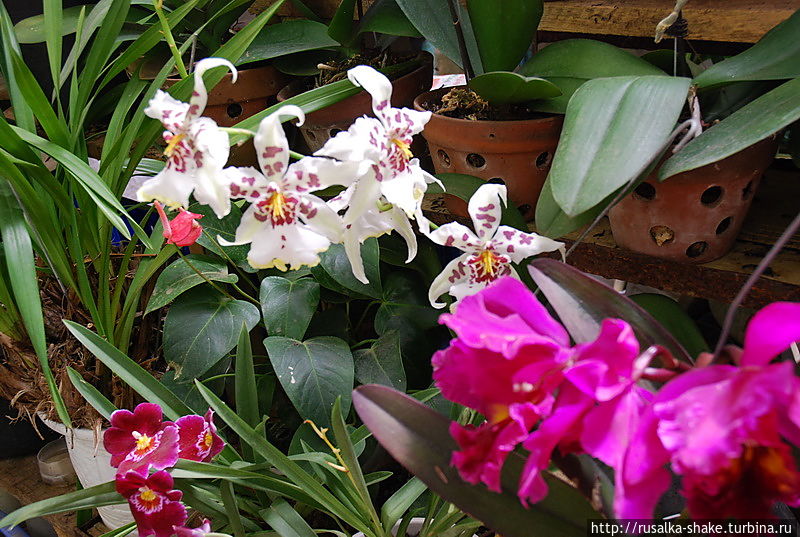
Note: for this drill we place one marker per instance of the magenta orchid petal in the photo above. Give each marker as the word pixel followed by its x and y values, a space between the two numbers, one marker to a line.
pixel 609 427
pixel 770 332
pixel 140 438
pixel 198 437
pixel 158 452
pixel 155 506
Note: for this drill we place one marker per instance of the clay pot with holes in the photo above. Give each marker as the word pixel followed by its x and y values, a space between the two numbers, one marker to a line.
pixel 321 125
pixel 694 216
pixel 515 153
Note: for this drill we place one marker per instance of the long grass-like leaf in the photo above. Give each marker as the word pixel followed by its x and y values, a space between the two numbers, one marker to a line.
pixel 96 496
pixel 22 112
pixel 53 19
pixel 92 395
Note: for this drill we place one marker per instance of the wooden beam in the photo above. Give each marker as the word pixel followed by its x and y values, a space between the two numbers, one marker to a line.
pixel 742 21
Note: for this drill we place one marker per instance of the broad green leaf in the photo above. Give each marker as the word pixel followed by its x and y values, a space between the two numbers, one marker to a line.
pixel 21 269
pixel 504 32
pixel 224 227
pixel 504 87
pixel 386 17
pixel 672 317
pixel 201 327
pixel 129 372
pixel 313 374
pixel 304 63
pixel 614 129
pixel 180 276
pixel 553 222
pixel 433 20
pixel 382 363
pixel 32 29
pixel 335 264
pixel 92 395
pixel 285 38
pixel 776 56
pixel 342 25
pixel 750 124
pixel 417 437
pixel 287 306
pixel 97 496
pixel 582 303
pixel 405 309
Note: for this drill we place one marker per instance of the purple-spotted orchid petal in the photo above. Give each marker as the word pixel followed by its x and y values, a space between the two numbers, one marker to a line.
pixel 196 151
pixel 488 252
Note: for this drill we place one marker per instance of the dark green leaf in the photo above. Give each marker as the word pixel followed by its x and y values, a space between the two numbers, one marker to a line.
pixel 246 388
pixel 750 124
pixel 288 305
pixel 504 32
pixel 304 63
pixel 225 228
pixel 179 277
pixel 582 303
pixel 287 38
pixel 672 317
pixel 313 374
pixel 97 496
pixel 386 17
pixel 342 26
pixel 553 222
pixel 776 56
pixel 201 327
pixel 335 265
pixel 464 186
pixel 614 129
pixel 285 520
pixel 504 87
pixel 32 29
pixel 382 363
pixel 418 437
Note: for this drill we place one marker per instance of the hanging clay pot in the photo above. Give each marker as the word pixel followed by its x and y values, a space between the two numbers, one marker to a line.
pixel 321 125
pixel 515 153
pixel 694 216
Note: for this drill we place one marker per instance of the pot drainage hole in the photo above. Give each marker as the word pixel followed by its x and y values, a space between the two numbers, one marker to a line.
pixel 475 160
pixel 696 249
pixel 645 191
pixel 711 196
pixel 724 225
pixel 234 110
pixel 444 157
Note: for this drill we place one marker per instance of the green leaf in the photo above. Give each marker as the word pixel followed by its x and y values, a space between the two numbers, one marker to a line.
pixel 334 263
pixel 553 222
pixel 504 32
pixel 246 389
pixel 614 129
pixel 386 17
pixel 97 496
pixel 504 87
pixel 287 306
pixel 382 363
pixel 285 520
pixel 130 372
pixel 201 327
pixel 224 227
pixel 32 29
pixel 464 186
pixel 92 395
pixel 405 309
pixel 672 317
pixel 341 27
pixel 417 437
pixel 179 277
pixel 582 303
pixel 752 123
pixel 401 501
pixel 313 373
pixel 231 508
pixel 285 38
pixel 776 56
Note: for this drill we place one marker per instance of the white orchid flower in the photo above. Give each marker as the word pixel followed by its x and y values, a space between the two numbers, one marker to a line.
pixel 286 224
pixel 384 144
pixel 197 150
pixel 373 223
pixel 488 252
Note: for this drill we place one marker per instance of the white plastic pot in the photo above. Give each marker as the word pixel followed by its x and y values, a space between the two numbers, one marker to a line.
pixel 92 464
pixel 414 528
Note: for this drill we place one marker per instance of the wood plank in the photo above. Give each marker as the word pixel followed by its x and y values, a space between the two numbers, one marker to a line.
pixel 743 21
pixel 774 206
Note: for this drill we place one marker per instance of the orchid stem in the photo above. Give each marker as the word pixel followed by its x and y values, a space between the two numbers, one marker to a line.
pixel 295 155
pixel 462 44
pixel 214 285
pixel 751 281
pixel 158 5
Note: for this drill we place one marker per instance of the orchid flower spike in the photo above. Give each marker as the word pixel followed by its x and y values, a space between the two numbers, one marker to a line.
pixel 383 145
pixel 286 224
pixel 488 252
pixel 197 150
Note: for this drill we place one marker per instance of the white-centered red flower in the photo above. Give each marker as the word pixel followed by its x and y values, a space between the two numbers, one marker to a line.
pixel 383 145
pixel 155 506
pixel 488 252
pixel 197 437
pixel 141 439
pixel 286 224
pixel 197 150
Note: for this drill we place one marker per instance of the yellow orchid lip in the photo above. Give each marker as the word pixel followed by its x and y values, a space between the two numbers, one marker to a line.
pixel 404 148
pixel 173 143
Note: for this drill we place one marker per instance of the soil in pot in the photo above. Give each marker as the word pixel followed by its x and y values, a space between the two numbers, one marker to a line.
pixel 694 216
pixel 511 146
pixel 321 125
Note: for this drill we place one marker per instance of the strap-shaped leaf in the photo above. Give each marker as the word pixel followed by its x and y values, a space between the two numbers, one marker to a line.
pixel 96 496
pixel 504 30
pixel 614 128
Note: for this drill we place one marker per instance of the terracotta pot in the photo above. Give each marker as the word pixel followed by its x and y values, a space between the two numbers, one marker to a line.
pixel 322 124
pixel 693 216
pixel 518 153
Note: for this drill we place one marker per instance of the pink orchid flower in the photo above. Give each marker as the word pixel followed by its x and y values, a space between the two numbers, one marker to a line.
pixel 197 149
pixel 286 224
pixel 488 252
pixel 141 439
pixel 183 230
pixel 727 430
pixel 197 437
pixel 155 506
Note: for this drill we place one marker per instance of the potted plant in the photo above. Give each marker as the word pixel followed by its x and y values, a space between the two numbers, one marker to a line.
pixel 709 176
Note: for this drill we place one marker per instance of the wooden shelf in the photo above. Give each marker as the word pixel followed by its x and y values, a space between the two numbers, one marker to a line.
pixel 774 206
